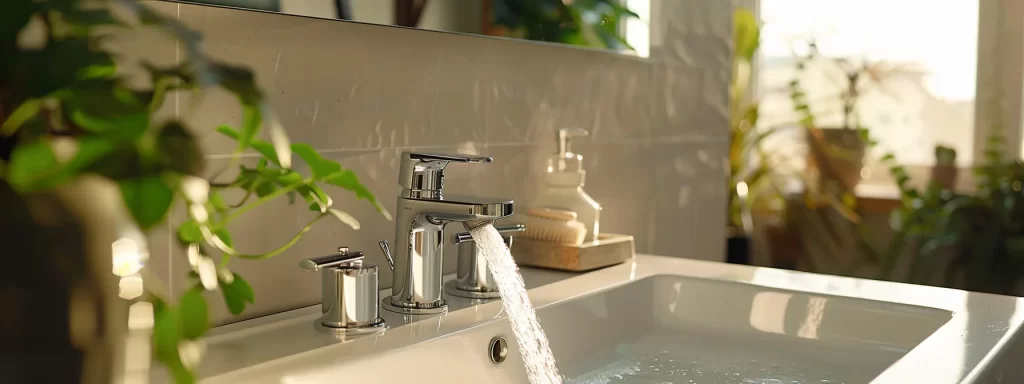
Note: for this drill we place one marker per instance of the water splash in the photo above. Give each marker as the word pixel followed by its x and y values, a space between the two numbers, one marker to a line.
pixel 533 344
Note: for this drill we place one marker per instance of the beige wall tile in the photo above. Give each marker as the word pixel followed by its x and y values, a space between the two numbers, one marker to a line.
pixel 363 93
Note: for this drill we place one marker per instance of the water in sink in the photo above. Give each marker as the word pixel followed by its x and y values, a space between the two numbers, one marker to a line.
pixel 671 358
pixel 533 344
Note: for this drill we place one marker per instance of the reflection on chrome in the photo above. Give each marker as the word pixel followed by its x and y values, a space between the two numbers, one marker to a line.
pixel 815 311
pixel 768 311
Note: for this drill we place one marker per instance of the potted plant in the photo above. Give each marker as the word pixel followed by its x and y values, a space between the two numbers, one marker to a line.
pixel 916 220
pixel 944 172
pixel 983 231
pixel 757 200
pixel 750 178
pixel 87 167
pixel 837 152
pixel 967 241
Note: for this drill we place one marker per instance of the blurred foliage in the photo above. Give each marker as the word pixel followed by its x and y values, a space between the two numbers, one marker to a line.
pixel 591 23
pixel 59 84
pixel 970 241
pixel 751 179
pixel 945 156
pixel 857 78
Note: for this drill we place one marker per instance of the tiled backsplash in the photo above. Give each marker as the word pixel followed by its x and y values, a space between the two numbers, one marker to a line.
pixel 363 93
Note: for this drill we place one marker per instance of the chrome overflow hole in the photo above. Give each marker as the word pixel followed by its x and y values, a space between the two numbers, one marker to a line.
pixel 498 349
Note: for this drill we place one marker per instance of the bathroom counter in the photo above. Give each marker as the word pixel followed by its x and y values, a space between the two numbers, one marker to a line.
pixel 981 333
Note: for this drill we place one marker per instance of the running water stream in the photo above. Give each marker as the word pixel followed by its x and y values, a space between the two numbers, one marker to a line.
pixel 533 344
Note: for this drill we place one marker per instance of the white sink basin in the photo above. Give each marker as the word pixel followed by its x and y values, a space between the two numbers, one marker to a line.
pixel 628 324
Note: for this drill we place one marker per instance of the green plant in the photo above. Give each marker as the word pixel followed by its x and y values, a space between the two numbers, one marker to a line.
pixel 919 216
pixel 591 23
pixel 945 156
pixel 985 229
pixel 750 171
pixel 59 85
pixel 857 78
pixel 971 241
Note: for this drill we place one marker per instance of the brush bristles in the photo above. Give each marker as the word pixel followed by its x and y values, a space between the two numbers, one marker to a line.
pixel 568 232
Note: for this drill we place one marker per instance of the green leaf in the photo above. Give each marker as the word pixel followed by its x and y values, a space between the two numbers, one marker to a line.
pixel 28 161
pixel 148 199
pixel 288 177
pixel 27 110
pixel 104 107
pixel 237 293
pixel 240 81
pixel 252 120
pixel 228 131
pixel 98 71
pixel 217 201
pixel 348 180
pixel 166 333
pixel 195 318
pixel 189 232
pixel 264 148
pixel 265 188
pixel 746 34
pixel 864 134
pixel 320 166
pixel 318 200
pixel 179 150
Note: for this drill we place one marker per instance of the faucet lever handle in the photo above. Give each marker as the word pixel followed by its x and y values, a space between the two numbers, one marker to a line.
pixel 422 156
pixel 386 249
pixel 425 171
pixel 342 257
pixel 505 231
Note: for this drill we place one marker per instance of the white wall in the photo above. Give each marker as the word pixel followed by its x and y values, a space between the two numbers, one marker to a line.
pixel 362 94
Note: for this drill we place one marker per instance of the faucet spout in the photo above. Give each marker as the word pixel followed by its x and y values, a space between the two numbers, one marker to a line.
pixel 474 224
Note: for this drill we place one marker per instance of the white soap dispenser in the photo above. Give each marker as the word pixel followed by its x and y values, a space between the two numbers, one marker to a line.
pixel 563 184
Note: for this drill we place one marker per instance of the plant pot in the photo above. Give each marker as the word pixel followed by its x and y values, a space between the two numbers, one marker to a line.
pixel 62 320
pixel 944 176
pixel 837 158
pixel 784 246
pixel 737 247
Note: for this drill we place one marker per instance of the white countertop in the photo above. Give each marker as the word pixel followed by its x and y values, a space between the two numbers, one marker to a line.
pixel 981 333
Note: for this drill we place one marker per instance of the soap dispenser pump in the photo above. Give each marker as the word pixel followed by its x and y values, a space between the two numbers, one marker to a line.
pixel 563 184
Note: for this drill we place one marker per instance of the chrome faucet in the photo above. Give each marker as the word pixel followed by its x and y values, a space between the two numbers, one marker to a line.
pixel 423 212
pixel 473 278
pixel 349 301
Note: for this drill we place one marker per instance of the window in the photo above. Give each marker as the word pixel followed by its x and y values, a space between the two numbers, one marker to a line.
pixel 934 43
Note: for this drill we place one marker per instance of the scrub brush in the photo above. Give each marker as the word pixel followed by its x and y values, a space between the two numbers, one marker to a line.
pixel 554 226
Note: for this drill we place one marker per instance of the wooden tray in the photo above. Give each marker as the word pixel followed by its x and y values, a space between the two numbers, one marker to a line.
pixel 608 249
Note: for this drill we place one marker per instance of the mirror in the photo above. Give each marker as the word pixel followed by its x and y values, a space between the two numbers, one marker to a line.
pixel 614 25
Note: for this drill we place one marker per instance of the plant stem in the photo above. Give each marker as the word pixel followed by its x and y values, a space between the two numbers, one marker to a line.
pixel 289 244
pixel 246 208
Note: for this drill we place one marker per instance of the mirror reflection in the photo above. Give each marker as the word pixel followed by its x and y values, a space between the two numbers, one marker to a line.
pixel 615 25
